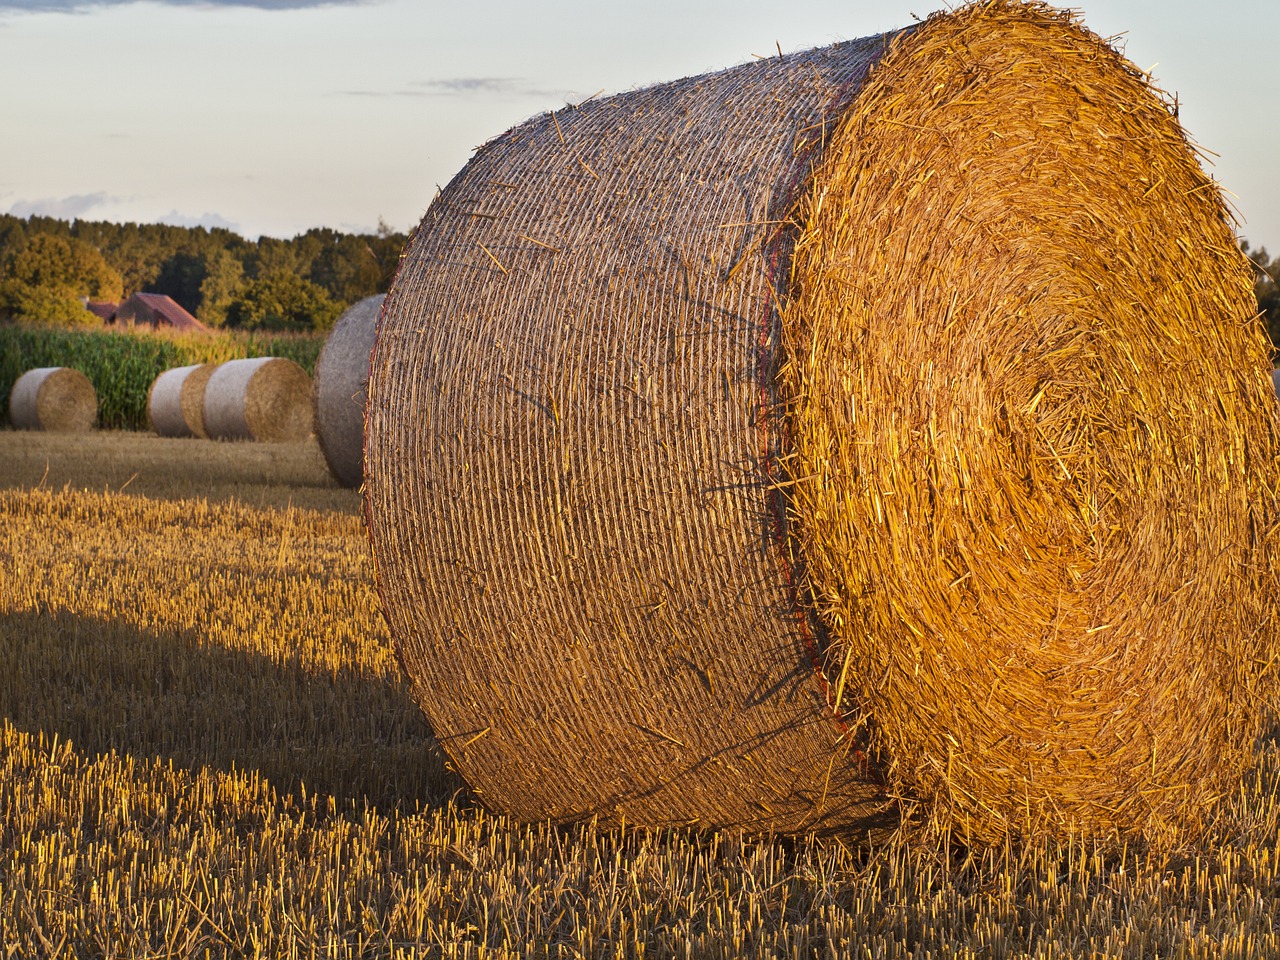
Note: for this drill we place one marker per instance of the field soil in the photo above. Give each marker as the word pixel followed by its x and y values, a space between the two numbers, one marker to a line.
pixel 145 465
pixel 207 749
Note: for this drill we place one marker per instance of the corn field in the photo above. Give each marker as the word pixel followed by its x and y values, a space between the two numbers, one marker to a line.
pixel 122 365
pixel 207 750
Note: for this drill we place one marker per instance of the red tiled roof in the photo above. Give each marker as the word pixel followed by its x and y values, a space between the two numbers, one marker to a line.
pixel 167 311
pixel 103 309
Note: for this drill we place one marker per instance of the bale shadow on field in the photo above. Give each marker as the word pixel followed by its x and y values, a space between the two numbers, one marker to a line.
pixel 106 685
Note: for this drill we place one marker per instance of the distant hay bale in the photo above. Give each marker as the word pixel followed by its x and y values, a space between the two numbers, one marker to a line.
pixel 880 421
pixel 175 403
pixel 341 389
pixel 56 399
pixel 262 398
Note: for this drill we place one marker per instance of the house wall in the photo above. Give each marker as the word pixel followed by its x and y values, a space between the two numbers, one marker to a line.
pixel 134 312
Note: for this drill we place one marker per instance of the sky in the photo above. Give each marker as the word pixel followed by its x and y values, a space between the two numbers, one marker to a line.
pixel 270 117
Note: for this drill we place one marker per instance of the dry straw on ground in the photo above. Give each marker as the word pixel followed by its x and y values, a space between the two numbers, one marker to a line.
pixel 341 389
pixel 887 421
pixel 58 399
pixel 175 403
pixel 262 398
pixel 207 749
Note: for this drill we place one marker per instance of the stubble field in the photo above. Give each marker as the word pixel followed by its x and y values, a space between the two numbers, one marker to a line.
pixel 206 749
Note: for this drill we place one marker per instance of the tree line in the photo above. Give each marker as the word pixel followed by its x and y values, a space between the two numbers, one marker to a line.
pixel 48 266
pixel 1266 287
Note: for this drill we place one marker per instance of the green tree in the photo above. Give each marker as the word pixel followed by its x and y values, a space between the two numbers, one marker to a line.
pixel 223 276
pixel 206 269
pixel 270 255
pixel 46 279
pixel 139 251
pixel 1266 273
pixel 52 261
pixel 387 245
pixel 43 304
pixel 180 278
pixel 281 300
pixel 13 237
pixel 348 268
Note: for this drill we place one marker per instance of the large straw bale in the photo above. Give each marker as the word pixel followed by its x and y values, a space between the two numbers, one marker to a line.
pixel 341 389
pixel 876 422
pixel 261 398
pixel 175 402
pixel 57 399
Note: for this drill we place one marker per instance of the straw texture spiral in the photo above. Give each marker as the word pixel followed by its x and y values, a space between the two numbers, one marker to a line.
pixel 882 422
pixel 261 398
pixel 175 402
pixel 1034 453
pixel 57 399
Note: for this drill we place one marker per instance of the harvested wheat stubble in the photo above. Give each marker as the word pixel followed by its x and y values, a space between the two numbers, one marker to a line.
pixel 175 403
pixel 57 399
pixel 764 447
pixel 341 389
pixel 262 398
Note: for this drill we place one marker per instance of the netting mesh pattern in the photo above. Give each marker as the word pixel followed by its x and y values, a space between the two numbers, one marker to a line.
pixel 566 461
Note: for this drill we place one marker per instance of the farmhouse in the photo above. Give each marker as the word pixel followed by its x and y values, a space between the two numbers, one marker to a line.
pixel 158 311
pixel 104 310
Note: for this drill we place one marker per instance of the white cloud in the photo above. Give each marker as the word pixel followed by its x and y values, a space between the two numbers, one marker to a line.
pixel 65 208
pixel 488 87
pixel 207 220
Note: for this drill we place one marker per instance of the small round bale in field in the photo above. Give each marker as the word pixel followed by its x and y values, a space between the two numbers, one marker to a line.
pixel 883 426
pixel 341 389
pixel 262 398
pixel 57 399
pixel 175 403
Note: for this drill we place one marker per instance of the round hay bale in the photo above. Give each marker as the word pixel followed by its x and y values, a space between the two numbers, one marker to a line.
pixel 56 399
pixel 881 421
pixel 262 398
pixel 175 402
pixel 341 389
